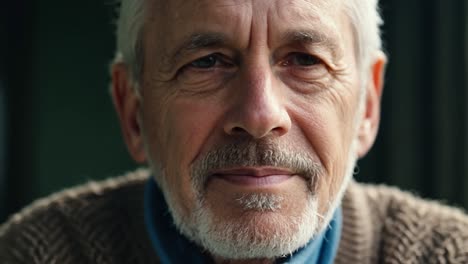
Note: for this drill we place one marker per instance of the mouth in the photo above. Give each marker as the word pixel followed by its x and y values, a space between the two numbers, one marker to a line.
pixel 254 177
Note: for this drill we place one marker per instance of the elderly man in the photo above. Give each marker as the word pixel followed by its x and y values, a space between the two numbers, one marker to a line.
pixel 250 115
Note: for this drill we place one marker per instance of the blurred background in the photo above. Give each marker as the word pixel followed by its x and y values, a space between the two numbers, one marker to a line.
pixel 58 128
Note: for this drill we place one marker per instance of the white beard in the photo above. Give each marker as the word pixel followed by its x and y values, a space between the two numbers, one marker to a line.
pixel 243 239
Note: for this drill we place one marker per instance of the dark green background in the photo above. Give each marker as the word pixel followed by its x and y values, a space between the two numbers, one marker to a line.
pixel 58 128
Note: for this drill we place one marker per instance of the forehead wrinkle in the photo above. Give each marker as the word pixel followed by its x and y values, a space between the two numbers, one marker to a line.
pixel 315 5
pixel 222 3
pixel 307 13
pixel 301 9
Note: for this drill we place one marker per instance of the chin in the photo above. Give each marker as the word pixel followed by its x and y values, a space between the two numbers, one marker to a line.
pixel 259 232
pixel 254 233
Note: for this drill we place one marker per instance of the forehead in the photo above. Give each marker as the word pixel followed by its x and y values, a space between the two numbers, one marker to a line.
pixel 196 13
pixel 181 9
pixel 279 5
pixel 242 22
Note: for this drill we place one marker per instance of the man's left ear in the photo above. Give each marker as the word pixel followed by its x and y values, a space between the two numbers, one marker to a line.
pixel 369 124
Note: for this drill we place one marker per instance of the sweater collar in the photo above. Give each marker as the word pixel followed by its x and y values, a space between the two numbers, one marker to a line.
pixel 161 229
pixel 363 219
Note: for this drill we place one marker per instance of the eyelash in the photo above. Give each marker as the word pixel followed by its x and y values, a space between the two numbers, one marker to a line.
pixel 216 59
pixel 289 61
pixel 296 68
pixel 219 58
pixel 298 63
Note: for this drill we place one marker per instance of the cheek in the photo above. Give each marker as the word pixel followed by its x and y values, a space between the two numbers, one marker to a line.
pixel 179 133
pixel 327 129
pixel 327 122
pixel 189 129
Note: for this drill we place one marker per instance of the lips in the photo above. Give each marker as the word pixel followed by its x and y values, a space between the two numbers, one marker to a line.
pixel 255 177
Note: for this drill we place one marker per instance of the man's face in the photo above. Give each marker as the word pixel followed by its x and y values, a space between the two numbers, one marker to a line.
pixel 250 113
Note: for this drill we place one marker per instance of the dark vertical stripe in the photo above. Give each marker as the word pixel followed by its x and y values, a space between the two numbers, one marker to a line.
pixel 464 98
pixel 2 151
pixel 2 118
pixel 19 18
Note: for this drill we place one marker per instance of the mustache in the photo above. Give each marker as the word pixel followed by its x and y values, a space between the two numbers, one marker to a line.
pixel 255 153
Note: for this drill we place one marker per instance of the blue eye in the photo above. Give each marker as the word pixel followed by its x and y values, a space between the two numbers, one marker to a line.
pixel 303 59
pixel 205 62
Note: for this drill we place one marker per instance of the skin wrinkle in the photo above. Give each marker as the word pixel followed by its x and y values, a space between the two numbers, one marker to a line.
pixel 322 160
pixel 155 134
pixel 328 97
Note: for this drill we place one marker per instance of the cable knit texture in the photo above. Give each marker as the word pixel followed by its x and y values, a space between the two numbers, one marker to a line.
pixel 102 222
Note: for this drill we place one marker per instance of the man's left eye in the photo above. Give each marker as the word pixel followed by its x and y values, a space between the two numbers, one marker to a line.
pixel 301 59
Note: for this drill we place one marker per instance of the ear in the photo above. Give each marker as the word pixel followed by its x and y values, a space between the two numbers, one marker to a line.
pixel 127 104
pixel 369 124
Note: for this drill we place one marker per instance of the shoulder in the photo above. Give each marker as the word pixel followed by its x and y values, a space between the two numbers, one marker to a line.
pixel 78 225
pixel 415 230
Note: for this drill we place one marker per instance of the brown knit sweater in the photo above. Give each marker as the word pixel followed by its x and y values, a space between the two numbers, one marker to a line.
pixel 102 222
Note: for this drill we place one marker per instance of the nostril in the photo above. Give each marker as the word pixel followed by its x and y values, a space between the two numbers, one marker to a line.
pixel 279 131
pixel 238 130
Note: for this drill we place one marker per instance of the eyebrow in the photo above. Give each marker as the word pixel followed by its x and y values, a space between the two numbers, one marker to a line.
pixel 198 41
pixel 312 37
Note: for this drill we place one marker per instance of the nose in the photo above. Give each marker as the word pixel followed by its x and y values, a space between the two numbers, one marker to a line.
pixel 258 109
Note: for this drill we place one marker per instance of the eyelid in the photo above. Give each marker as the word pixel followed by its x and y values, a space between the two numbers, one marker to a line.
pixel 289 57
pixel 224 65
pixel 220 59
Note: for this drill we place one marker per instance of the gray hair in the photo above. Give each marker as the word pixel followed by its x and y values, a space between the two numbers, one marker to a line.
pixel 366 22
pixel 363 14
pixel 130 23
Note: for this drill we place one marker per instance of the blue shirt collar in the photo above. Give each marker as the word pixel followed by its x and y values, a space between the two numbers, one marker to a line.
pixel 172 247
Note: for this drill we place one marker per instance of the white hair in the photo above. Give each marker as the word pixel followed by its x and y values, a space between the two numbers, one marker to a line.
pixel 366 22
pixel 363 14
pixel 130 23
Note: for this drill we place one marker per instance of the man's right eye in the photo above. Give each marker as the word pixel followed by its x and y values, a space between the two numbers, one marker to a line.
pixel 205 62
pixel 203 69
